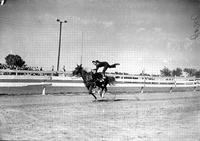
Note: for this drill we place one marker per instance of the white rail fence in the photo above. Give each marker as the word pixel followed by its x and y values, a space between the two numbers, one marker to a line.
pixel 46 78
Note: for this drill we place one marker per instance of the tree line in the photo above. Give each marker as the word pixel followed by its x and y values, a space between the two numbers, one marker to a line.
pixel 16 62
pixel 179 72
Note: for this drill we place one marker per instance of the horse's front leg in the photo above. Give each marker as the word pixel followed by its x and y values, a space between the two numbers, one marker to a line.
pixel 90 92
pixel 94 96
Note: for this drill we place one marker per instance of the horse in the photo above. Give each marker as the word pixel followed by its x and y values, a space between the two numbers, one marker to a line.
pixel 93 80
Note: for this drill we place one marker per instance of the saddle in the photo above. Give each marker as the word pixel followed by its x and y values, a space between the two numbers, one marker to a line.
pixel 96 77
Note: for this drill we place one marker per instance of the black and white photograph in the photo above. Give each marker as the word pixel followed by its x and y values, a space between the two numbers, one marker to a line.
pixel 100 70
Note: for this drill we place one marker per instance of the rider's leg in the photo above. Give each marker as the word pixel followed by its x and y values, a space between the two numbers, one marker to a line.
pixel 96 69
pixel 104 71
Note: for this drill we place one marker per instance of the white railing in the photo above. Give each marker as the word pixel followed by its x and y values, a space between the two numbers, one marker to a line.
pixel 27 72
pixel 52 78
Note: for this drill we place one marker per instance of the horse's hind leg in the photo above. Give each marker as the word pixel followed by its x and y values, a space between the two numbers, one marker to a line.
pixel 100 92
pixel 104 90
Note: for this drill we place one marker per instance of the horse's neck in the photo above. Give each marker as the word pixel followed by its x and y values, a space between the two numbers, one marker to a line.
pixel 84 75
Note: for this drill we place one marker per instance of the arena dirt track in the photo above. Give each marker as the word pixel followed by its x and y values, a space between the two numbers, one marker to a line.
pixel 138 117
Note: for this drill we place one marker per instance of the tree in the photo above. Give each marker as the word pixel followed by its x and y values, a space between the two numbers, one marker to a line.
pixel 165 72
pixel 197 74
pixel 144 74
pixel 196 26
pixel 14 61
pixel 190 71
pixel 177 72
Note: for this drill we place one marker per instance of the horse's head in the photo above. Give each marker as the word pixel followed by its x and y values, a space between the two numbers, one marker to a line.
pixel 78 70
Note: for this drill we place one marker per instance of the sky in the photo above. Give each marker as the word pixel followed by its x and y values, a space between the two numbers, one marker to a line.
pixel 141 35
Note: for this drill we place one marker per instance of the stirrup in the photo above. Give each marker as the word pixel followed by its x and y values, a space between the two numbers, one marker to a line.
pixel 101 80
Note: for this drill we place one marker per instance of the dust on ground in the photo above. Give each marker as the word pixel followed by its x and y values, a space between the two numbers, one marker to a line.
pixel 122 117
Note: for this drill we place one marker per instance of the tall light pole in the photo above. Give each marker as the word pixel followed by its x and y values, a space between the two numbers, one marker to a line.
pixel 82 48
pixel 61 22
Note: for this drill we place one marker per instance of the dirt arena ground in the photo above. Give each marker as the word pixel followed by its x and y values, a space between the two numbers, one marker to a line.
pixel 128 117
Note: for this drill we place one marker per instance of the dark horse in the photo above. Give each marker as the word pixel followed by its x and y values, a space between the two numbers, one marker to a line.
pixel 93 80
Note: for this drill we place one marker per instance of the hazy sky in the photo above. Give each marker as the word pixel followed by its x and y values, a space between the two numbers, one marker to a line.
pixel 138 34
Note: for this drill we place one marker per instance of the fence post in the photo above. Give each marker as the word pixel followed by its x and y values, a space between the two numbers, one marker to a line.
pixel 170 89
pixel 175 83
pixel 142 90
pixel 43 90
pixel 194 90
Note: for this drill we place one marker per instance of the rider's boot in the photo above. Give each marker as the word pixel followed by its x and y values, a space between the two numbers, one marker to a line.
pixel 103 78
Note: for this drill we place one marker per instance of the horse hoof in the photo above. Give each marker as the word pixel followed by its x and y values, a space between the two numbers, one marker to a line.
pixel 94 100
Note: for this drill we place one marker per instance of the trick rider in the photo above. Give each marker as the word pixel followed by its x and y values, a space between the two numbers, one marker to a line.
pixel 105 66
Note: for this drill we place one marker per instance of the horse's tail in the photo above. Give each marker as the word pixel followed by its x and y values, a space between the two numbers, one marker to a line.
pixel 114 65
pixel 111 80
